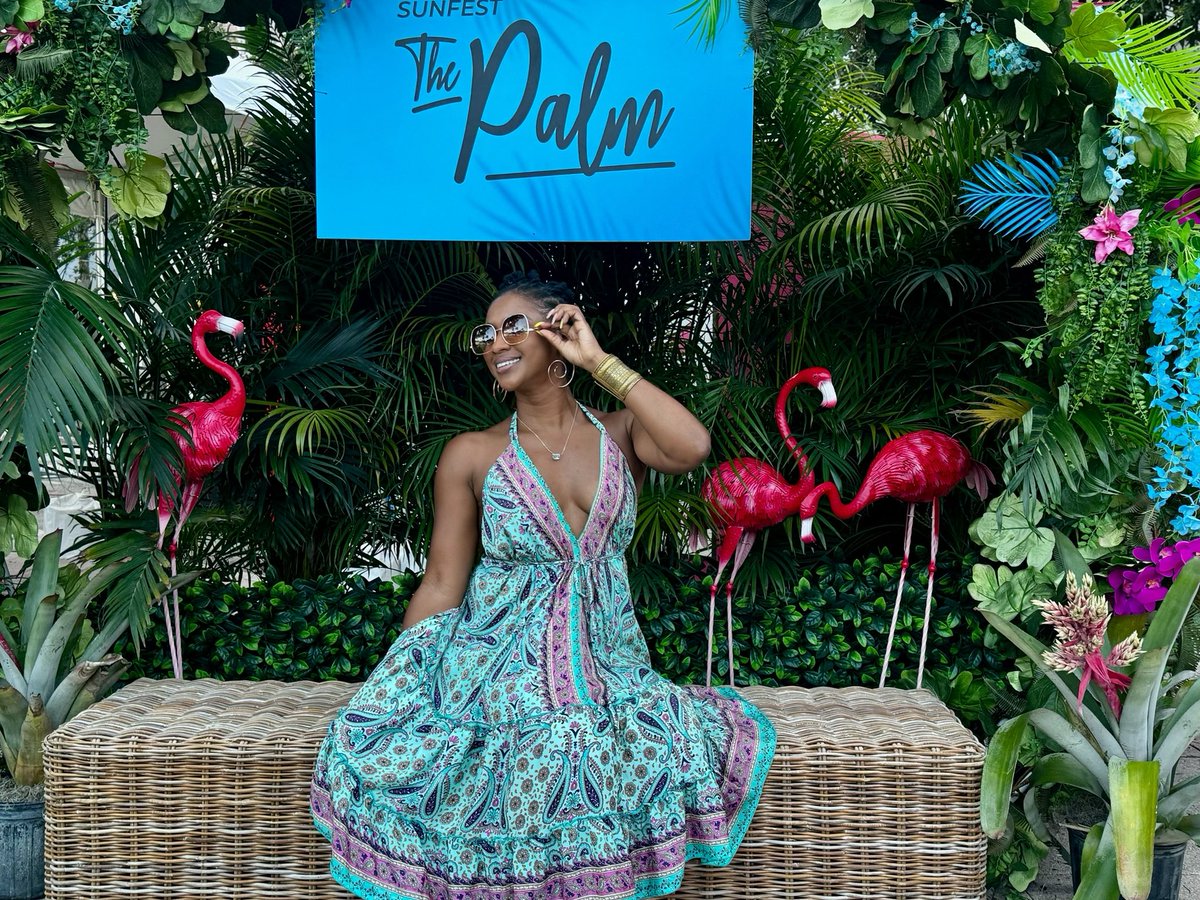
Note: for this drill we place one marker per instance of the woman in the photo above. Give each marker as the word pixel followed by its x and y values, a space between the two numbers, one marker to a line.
pixel 515 742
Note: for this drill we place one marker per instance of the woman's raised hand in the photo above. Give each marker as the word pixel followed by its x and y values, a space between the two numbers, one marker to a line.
pixel 572 336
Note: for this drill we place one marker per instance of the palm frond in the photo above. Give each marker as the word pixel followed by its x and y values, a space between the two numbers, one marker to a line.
pixel 56 339
pixel 705 17
pixel 1158 64
pixel 1014 199
pixel 868 225
pixel 995 409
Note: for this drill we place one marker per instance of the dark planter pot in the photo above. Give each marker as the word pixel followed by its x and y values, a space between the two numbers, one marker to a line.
pixel 22 839
pixel 1166 879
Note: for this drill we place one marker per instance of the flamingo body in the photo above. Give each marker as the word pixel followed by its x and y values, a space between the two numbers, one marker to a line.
pixel 747 495
pixel 919 467
pixel 212 428
pixel 749 492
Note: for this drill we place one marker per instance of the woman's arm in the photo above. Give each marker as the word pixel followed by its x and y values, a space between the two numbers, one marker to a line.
pixel 664 433
pixel 455 534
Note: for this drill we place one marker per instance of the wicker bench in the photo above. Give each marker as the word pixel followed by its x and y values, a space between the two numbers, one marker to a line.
pixel 199 789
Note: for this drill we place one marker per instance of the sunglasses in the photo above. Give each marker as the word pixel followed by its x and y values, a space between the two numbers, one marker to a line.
pixel 514 329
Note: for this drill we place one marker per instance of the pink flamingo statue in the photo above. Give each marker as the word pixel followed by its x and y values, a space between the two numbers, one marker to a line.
pixel 212 428
pixel 748 495
pixel 920 467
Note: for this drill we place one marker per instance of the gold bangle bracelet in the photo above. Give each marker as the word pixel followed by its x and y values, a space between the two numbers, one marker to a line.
pixel 615 377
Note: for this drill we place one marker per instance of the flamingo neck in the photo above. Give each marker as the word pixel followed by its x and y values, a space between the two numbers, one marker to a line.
pixel 233 403
pixel 845 510
pixel 806 376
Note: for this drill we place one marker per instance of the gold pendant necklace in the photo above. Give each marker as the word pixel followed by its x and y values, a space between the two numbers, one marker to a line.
pixel 555 456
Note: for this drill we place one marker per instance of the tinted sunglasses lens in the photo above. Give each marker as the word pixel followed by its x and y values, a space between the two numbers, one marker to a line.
pixel 482 338
pixel 515 329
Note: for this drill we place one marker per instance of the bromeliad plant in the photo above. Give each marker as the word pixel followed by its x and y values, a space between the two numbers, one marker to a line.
pixel 43 684
pixel 1123 753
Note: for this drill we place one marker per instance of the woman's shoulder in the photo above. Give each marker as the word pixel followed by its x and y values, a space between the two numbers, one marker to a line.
pixel 471 443
pixel 473 452
pixel 616 421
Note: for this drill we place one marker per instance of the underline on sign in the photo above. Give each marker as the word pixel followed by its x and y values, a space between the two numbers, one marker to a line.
pixel 436 103
pixel 545 172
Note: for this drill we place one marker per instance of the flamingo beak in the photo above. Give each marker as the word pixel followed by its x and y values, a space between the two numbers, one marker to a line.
pixel 828 395
pixel 806 532
pixel 230 326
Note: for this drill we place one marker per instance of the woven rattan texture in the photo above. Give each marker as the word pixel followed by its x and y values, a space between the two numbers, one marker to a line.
pixel 873 795
pixel 190 789
pixel 199 789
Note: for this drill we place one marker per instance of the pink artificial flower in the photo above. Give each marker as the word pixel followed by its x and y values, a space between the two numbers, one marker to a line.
pixel 1112 232
pixel 1190 196
pixel 1080 624
pixel 18 38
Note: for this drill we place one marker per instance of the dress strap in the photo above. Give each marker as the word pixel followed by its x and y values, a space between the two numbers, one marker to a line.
pixel 512 427
pixel 592 418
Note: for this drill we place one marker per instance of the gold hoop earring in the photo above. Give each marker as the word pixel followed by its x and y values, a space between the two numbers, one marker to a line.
pixel 499 394
pixel 558 369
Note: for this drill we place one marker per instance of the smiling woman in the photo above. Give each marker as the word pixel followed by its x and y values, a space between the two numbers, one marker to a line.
pixel 515 740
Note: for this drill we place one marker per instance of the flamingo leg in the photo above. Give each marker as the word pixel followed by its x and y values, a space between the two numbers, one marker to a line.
pixel 887 654
pixel 743 550
pixel 725 552
pixel 933 549
pixel 191 496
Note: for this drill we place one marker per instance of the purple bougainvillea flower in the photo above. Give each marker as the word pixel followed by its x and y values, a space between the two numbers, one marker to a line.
pixel 1112 232
pixel 1187 197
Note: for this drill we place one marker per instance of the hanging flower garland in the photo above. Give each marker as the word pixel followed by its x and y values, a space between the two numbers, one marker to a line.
pixel 1175 377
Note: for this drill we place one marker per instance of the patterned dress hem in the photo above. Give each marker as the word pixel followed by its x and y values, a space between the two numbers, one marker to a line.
pixel 658 884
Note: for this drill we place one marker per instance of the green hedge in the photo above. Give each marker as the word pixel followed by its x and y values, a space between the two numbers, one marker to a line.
pixel 329 628
pixel 830 630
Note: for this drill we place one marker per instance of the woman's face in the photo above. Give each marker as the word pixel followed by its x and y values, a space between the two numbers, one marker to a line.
pixel 524 363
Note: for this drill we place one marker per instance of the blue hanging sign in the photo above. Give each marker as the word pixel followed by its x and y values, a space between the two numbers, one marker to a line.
pixel 531 120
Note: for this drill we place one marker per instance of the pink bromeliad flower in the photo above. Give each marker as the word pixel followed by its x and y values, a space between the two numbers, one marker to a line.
pixel 1112 232
pixel 1080 624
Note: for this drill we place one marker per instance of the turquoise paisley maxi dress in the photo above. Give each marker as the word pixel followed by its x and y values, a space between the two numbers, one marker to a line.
pixel 520 745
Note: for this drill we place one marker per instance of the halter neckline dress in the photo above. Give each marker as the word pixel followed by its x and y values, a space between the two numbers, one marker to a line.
pixel 520 745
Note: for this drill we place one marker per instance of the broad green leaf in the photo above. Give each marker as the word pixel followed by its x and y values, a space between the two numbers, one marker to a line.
pixel 31 10
pixel 18 527
pixel 1166 134
pixel 1141 705
pixel 1133 791
pixel 841 14
pixel 1007 593
pixel 1173 806
pixel 1091 161
pixel 1098 866
pixel 142 192
pixel 1091 34
pixel 1012 535
pixel 1062 768
pixel 1038 10
pixel 999 766
pixel 1072 741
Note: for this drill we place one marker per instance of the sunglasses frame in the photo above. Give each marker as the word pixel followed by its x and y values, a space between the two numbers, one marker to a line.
pixel 490 330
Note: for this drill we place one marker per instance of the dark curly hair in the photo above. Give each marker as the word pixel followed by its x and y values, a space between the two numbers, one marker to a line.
pixel 545 294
